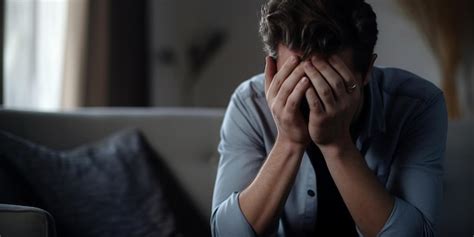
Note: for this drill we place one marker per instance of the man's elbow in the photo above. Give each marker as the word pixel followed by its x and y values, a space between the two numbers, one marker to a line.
pixel 228 220
pixel 407 220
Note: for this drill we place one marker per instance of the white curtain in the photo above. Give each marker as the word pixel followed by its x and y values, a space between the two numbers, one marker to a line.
pixel 34 53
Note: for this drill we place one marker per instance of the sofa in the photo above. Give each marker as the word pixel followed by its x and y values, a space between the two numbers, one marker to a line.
pixel 187 139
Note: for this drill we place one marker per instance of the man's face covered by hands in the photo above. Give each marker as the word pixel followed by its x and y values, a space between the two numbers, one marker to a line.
pixel 322 94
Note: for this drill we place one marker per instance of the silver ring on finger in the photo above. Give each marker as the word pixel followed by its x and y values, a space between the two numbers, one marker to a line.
pixel 352 88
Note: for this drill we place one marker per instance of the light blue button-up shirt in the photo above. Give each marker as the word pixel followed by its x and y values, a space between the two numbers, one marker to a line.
pixel 402 141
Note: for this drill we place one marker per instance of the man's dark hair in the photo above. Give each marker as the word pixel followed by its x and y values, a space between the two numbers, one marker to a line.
pixel 322 27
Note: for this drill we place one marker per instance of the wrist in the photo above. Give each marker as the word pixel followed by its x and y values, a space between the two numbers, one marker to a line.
pixel 339 149
pixel 289 145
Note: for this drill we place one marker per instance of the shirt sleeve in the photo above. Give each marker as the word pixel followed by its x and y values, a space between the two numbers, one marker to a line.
pixel 416 174
pixel 242 153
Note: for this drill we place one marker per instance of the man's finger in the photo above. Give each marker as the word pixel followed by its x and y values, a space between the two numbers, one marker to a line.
pixel 281 75
pixel 333 78
pixel 289 84
pixel 294 99
pixel 314 102
pixel 343 70
pixel 320 85
pixel 270 71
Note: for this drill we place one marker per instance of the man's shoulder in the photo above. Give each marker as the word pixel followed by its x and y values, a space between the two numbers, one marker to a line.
pixel 251 88
pixel 400 97
pixel 395 82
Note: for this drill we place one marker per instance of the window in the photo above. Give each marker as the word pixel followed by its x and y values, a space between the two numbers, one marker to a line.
pixel 34 53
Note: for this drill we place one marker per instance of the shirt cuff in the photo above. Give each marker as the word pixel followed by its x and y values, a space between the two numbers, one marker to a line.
pixel 228 219
pixel 406 220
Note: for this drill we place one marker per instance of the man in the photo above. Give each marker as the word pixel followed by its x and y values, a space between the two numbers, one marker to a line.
pixel 325 144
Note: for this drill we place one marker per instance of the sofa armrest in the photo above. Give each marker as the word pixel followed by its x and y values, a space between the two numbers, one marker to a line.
pixel 23 221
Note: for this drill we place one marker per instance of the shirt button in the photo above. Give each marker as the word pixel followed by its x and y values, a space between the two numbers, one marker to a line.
pixel 311 193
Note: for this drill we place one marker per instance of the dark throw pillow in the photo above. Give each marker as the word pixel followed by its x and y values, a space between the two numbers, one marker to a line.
pixel 109 188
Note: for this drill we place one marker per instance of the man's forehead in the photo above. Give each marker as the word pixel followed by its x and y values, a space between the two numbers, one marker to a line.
pixel 284 53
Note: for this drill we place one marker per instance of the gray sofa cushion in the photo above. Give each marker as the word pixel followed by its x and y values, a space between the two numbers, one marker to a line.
pixel 109 188
pixel 186 138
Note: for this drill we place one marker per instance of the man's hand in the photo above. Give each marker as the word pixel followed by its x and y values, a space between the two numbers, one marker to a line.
pixel 263 200
pixel 333 102
pixel 284 92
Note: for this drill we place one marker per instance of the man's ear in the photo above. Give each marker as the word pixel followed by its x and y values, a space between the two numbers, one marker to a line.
pixel 369 70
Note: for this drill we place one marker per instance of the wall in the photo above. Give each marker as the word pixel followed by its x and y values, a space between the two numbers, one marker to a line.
pixel 176 25
pixel 400 44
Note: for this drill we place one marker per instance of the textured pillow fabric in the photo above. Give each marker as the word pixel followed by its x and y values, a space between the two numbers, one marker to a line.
pixel 104 189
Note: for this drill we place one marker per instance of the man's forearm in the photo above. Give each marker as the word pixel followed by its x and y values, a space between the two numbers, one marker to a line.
pixel 367 200
pixel 262 201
